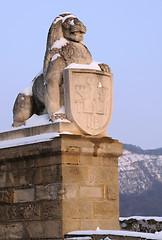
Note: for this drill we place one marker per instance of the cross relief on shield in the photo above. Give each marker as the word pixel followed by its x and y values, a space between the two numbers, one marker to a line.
pixel 90 97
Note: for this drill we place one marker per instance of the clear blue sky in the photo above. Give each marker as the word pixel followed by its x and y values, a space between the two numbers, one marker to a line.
pixel 127 35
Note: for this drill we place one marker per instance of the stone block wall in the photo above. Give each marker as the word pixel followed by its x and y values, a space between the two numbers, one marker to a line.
pixel 53 187
pixel 148 225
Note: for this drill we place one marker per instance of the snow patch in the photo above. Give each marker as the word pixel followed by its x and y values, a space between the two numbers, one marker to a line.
pixel 68 16
pixel 63 18
pixel 61 120
pixel 100 85
pixel 59 43
pixel 72 22
pixel 28 90
pixel 55 57
pixel 92 65
pixel 61 110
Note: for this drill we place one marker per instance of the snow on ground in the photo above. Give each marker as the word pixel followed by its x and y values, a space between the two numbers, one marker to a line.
pixel 157 235
pixel 92 65
pixel 158 219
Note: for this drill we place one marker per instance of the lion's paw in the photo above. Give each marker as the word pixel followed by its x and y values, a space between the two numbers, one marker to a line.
pixel 104 67
pixel 52 118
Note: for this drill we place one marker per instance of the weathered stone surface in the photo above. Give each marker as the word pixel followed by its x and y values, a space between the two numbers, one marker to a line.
pixel 97 161
pixel 70 159
pixel 11 231
pixel 65 185
pixel 52 209
pixel 3 179
pixel 48 161
pixel 108 223
pixel 20 177
pixel 44 229
pixel 77 209
pixel 48 192
pixel 2 213
pixel 74 173
pixel 69 224
pixel 105 208
pixel 24 195
pixel 90 192
pixel 112 192
pixel 23 211
pixel 47 174
pixel 56 191
pixel 6 196
pixel 69 190
pixel 110 161
pixel 100 174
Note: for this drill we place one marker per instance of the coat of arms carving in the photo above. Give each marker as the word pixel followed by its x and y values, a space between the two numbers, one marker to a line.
pixel 88 99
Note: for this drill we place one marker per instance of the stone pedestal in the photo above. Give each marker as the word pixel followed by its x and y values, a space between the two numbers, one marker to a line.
pixel 52 187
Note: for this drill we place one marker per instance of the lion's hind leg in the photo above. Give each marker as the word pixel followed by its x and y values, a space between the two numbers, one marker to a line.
pixel 22 109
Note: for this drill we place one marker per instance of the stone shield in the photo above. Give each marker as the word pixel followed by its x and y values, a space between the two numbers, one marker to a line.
pixel 88 97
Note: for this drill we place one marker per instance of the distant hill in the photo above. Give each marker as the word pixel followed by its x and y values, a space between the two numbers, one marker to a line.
pixel 136 149
pixel 140 181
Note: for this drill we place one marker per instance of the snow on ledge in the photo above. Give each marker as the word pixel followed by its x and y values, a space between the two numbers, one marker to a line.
pixel 93 65
pixel 156 236
pixel 30 140
pixel 36 120
pixel 81 238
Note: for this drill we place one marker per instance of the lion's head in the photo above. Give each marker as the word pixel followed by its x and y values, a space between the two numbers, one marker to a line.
pixel 68 26
pixel 73 29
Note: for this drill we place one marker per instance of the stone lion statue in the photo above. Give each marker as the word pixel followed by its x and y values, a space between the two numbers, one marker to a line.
pixel 64 46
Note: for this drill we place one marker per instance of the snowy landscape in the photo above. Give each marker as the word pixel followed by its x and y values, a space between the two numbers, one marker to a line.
pixel 140 181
